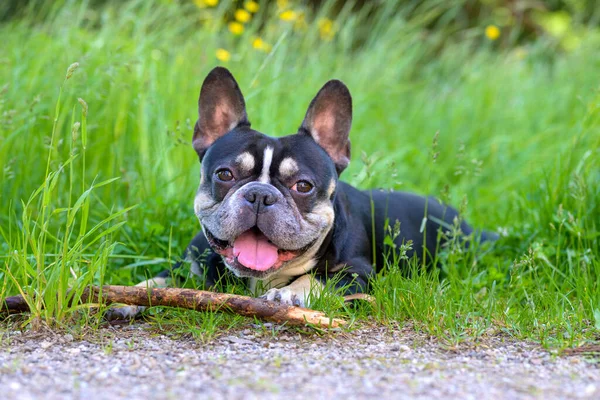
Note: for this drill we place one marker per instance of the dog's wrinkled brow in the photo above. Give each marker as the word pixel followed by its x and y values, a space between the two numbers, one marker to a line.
pixel 288 167
pixel 245 162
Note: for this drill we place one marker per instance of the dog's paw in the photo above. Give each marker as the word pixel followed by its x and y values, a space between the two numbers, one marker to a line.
pixel 123 313
pixel 285 295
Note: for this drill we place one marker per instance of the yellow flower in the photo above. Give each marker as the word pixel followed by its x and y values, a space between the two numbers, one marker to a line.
pixel 288 15
pixel 242 16
pixel 492 32
pixel 223 55
pixel 251 6
pixel 205 3
pixel 260 44
pixel 326 29
pixel 282 4
pixel 236 28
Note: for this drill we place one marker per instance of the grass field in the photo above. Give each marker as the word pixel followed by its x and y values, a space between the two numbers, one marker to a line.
pixel 98 173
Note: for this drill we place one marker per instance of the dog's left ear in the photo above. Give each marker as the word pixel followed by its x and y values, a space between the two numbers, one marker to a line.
pixel 328 121
pixel 221 108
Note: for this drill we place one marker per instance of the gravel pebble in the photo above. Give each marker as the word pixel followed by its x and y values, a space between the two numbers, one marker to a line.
pixel 136 363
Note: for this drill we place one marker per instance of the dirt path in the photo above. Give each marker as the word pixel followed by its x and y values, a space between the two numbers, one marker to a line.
pixel 368 363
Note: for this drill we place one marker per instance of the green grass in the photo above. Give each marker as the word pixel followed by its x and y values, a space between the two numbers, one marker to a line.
pixel 518 148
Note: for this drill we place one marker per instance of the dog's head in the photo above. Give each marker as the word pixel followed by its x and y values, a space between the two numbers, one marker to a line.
pixel 265 203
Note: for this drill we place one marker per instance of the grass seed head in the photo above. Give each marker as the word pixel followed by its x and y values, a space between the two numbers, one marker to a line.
pixel 84 106
pixel 75 131
pixel 71 70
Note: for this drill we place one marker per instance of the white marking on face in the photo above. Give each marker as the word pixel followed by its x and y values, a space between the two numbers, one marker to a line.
pixel 322 211
pixel 331 188
pixel 267 158
pixel 246 161
pixel 202 175
pixel 288 167
pixel 203 201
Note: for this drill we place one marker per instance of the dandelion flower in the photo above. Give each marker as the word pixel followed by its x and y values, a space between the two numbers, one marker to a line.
pixel 223 55
pixel 282 4
pixel 242 15
pixel 288 15
pixel 251 6
pixel 326 29
pixel 260 44
pixel 492 32
pixel 236 28
pixel 205 3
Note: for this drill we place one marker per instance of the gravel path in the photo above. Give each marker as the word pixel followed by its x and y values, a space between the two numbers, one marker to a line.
pixel 131 362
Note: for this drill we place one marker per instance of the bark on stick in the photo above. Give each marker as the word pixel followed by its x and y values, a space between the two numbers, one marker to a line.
pixel 199 300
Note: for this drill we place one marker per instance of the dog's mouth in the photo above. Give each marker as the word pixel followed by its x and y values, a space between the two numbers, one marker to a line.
pixel 252 250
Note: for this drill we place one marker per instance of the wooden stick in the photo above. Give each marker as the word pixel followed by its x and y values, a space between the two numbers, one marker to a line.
pixel 198 300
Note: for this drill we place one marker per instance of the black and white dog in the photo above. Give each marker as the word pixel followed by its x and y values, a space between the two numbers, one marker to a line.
pixel 273 210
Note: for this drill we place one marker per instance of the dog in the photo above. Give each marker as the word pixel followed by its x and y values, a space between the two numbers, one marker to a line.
pixel 273 210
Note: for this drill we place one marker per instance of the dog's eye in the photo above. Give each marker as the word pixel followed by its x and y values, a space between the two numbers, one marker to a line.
pixel 224 175
pixel 302 187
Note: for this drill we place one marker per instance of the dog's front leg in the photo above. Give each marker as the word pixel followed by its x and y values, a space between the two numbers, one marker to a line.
pixel 297 293
pixel 352 276
pixel 131 312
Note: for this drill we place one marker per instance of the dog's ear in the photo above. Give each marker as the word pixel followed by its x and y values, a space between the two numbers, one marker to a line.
pixel 328 121
pixel 221 108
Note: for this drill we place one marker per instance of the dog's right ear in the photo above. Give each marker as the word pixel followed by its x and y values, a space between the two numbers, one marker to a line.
pixel 221 108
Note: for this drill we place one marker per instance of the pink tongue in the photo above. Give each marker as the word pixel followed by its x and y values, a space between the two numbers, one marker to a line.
pixel 254 251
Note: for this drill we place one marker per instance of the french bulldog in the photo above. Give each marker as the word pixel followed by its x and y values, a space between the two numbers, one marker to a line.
pixel 273 210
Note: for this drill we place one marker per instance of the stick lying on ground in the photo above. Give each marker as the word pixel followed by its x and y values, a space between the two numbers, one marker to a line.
pixel 199 300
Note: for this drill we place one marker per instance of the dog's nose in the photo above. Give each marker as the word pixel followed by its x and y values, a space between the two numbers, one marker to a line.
pixel 261 197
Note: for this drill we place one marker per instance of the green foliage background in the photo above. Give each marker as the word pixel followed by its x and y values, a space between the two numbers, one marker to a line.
pixel 517 117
